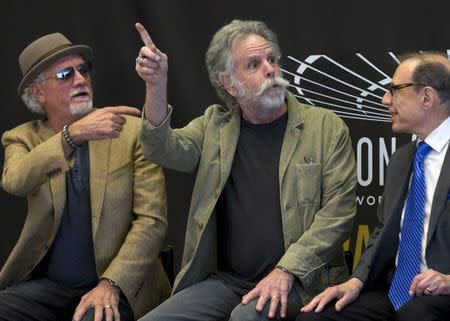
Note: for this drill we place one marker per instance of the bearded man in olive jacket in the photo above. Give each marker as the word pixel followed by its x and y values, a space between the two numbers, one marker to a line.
pixel 274 196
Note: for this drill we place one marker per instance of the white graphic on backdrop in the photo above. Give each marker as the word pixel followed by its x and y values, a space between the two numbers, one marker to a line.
pixel 352 90
pixel 322 81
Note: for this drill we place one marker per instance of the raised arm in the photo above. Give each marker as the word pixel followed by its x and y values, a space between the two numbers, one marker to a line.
pixel 151 66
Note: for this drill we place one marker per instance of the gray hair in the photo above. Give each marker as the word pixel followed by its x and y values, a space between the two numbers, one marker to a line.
pixel 29 100
pixel 219 59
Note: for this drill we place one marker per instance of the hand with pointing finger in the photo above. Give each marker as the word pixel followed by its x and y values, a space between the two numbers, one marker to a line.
pixel 151 63
pixel 151 66
pixel 102 123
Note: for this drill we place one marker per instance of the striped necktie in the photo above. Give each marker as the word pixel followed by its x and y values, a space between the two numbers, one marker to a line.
pixel 410 248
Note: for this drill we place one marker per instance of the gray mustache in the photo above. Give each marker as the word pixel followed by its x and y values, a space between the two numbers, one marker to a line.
pixel 273 82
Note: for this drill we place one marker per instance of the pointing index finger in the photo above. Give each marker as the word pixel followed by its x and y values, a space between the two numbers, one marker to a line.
pixel 146 39
pixel 118 110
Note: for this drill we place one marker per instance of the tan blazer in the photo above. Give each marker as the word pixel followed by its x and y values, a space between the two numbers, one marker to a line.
pixel 128 205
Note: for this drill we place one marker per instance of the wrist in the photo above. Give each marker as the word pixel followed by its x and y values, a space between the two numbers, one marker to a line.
pixel 284 270
pixel 110 282
pixel 356 283
pixel 68 138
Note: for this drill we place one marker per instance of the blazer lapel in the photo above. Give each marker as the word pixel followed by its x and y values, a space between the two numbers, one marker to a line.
pixel 291 135
pixel 58 182
pixel 229 136
pixel 58 190
pixel 99 151
pixel 440 195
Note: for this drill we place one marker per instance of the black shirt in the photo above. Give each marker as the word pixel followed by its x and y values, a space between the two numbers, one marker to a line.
pixel 250 233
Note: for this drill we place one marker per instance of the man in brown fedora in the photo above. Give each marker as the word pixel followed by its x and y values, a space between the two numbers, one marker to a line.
pixel 96 208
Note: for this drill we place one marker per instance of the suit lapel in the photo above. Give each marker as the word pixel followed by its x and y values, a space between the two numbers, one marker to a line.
pixel 394 199
pixel 399 185
pixel 440 195
pixel 99 151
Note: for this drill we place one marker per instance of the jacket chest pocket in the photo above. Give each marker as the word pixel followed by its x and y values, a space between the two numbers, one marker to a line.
pixel 309 183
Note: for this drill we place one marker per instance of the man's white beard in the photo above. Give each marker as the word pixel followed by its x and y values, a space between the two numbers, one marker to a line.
pixel 269 95
pixel 81 108
pixel 84 107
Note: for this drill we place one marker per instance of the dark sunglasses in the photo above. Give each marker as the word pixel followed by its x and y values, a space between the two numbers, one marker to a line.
pixel 85 69
pixel 391 87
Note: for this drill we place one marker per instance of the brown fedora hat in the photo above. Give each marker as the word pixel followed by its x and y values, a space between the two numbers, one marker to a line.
pixel 39 54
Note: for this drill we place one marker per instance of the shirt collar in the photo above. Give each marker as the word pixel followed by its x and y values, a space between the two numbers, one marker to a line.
pixel 439 136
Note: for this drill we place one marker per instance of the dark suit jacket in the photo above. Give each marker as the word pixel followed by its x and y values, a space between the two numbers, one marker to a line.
pixel 379 258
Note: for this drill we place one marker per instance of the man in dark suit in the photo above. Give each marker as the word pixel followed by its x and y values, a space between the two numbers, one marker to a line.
pixel 396 279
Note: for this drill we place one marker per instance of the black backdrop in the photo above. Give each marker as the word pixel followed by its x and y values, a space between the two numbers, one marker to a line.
pixel 183 29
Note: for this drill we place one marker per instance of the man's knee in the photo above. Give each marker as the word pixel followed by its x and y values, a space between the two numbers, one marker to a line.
pixel 310 316
pixel 420 308
pixel 248 312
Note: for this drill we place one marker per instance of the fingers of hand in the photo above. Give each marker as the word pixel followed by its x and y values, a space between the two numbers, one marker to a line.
pixel 324 300
pixel 122 110
pixel 98 312
pixel 262 302
pixel 283 305
pixel 145 36
pixel 81 309
pixel 346 299
pixel 116 312
pixel 274 300
pixel 414 288
pixel 250 296
pixel 150 61
pixel 151 54
pixel 426 283
pixel 311 305
pixel 109 313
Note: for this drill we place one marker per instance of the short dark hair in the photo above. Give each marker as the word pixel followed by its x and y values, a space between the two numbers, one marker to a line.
pixel 433 70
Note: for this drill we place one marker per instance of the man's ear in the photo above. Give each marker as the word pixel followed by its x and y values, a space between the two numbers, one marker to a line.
pixel 37 93
pixel 226 83
pixel 430 97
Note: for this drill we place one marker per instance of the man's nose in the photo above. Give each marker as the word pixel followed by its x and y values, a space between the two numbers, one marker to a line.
pixel 270 69
pixel 79 78
pixel 387 98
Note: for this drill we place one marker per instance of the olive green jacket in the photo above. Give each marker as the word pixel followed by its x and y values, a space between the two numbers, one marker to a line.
pixel 317 189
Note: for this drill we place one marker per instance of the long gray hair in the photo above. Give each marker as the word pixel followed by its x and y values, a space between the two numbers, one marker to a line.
pixel 219 59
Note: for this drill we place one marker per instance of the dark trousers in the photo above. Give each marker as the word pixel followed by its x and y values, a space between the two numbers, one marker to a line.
pixel 44 300
pixel 376 306
pixel 214 299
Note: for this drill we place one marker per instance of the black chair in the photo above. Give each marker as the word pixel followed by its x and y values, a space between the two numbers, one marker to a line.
pixel 166 257
pixel 348 255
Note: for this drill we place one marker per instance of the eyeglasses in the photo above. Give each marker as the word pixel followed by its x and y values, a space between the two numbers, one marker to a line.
pixel 85 69
pixel 391 87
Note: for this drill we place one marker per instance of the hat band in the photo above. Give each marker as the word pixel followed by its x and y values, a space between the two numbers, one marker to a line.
pixel 48 54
